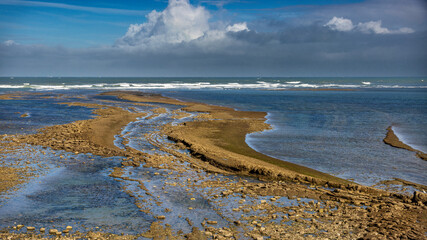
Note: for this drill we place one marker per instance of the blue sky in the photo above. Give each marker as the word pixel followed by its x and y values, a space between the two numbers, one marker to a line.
pixel 213 37
pixel 76 23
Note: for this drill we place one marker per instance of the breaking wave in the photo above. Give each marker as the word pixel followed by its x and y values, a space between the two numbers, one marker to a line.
pixel 203 85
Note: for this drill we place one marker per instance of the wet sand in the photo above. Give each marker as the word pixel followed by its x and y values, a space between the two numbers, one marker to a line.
pixel 339 209
pixel 86 136
pixel 392 140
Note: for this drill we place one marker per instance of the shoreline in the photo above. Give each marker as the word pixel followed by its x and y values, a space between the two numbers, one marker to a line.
pixel 392 140
pixel 230 128
pixel 216 142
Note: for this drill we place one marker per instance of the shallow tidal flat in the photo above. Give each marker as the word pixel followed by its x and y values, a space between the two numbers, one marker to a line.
pixel 146 166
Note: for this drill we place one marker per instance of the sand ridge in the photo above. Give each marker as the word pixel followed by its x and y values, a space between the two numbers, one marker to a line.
pixel 392 140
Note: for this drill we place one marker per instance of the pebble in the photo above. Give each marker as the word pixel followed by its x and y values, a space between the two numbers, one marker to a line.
pixel 31 228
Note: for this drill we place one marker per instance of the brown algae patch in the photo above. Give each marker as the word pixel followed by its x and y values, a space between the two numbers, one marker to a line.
pixel 392 140
pixel 9 96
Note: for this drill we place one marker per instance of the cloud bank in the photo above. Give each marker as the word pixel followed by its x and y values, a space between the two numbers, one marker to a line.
pixel 189 40
pixel 346 25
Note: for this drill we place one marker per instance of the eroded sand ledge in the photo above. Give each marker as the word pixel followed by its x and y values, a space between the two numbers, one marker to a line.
pixel 219 139
pixel 217 142
pixel 392 140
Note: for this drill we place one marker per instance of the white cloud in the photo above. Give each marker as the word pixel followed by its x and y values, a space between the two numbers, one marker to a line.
pixel 9 43
pixel 372 27
pixel 376 27
pixel 180 22
pixel 340 24
pixel 346 25
pixel 238 27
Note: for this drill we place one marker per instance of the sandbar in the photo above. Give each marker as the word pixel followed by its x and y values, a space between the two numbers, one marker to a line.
pixel 392 140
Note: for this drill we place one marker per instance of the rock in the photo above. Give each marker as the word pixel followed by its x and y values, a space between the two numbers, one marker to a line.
pixel 53 231
pixel 42 229
pixel 161 217
pixel 31 228
pixel 192 199
pixel 69 228
pixel 420 197
pixel 19 226
pixel 257 237
pixel 211 222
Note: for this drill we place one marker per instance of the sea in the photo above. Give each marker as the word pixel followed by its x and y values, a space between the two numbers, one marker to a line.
pixel 334 125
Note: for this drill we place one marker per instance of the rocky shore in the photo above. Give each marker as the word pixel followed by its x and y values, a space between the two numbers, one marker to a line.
pixel 287 201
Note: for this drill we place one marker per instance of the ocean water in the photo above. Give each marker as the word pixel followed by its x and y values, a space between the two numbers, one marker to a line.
pixel 58 83
pixel 338 132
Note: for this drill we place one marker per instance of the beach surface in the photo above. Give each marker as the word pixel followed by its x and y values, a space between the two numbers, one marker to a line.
pixel 198 151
